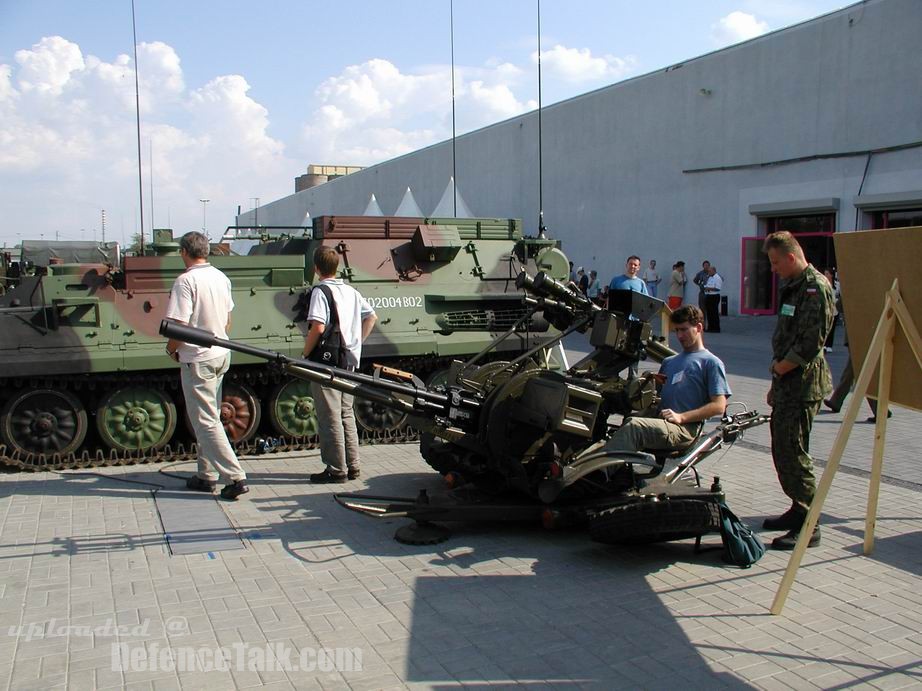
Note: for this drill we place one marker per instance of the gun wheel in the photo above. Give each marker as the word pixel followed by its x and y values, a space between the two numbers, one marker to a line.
pixel 655 521
pixel 374 417
pixel 136 418
pixel 291 409
pixel 43 421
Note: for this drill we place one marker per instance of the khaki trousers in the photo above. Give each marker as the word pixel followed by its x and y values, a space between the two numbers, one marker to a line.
pixel 652 434
pixel 339 437
pixel 201 387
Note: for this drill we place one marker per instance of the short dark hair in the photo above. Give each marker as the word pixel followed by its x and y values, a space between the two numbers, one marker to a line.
pixel 633 256
pixel 783 240
pixel 326 260
pixel 680 263
pixel 689 314
pixel 195 244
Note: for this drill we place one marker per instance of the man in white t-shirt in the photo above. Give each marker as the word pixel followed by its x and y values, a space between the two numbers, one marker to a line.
pixel 339 439
pixel 201 297
pixel 651 278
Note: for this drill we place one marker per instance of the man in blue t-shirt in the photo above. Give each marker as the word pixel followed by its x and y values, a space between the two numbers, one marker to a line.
pixel 694 388
pixel 629 280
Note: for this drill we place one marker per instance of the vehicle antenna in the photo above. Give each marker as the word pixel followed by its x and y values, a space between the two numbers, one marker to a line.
pixel 454 172
pixel 137 112
pixel 542 230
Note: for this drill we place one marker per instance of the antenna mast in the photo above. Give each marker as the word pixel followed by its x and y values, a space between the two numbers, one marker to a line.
pixel 454 172
pixel 542 231
pixel 137 111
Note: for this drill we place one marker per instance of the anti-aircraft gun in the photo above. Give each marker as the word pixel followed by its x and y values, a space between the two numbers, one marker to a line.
pixel 519 439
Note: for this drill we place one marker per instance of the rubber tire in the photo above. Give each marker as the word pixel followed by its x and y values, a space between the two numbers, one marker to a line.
pixel 655 521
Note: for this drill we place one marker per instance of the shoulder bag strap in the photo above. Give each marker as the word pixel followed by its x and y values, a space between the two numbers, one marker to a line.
pixel 328 294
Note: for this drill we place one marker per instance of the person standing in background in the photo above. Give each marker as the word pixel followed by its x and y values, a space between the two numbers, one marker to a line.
pixel 651 278
pixel 699 280
pixel 834 284
pixel 629 279
pixel 712 287
pixel 677 286
pixel 595 286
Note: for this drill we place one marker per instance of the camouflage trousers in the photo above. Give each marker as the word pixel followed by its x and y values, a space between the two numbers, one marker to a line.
pixel 791 423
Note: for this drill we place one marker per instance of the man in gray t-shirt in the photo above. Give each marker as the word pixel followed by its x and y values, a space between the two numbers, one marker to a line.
pixel 694 388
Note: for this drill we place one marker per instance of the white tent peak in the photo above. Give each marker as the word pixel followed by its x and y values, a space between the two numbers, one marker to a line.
pixel 408 206
pixel 373 209
pixel 446 206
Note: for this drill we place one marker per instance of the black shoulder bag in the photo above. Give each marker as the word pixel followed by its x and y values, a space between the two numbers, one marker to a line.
pixel 330 349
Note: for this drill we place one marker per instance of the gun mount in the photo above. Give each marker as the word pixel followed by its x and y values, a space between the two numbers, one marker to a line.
pixel 521 425
pixel 519 419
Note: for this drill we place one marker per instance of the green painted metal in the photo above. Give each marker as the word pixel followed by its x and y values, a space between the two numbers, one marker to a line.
pixel 442 288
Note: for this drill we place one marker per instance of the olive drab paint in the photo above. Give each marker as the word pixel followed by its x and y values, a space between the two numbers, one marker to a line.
pixel 82 367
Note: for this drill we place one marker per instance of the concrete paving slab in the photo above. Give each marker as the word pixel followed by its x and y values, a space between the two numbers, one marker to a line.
pixel 84 567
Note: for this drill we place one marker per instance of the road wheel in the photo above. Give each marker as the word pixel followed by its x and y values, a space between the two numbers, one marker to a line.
pixel 136 418
pixel 43 421
pixel 240 411
pixel 655 521
pixel 291 409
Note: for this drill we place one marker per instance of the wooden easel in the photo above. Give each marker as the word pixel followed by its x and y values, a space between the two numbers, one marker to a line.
pixel 880 351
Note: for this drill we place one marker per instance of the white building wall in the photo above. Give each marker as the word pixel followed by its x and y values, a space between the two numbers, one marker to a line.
pixel 619 163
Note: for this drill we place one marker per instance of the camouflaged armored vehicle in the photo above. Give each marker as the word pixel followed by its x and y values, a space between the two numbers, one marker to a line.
pixel 84 378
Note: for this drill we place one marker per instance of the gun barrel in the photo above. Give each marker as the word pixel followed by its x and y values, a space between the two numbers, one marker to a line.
pixel 206 339
pixel 334 377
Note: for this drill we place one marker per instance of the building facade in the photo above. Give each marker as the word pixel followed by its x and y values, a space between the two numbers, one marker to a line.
pixel 816 128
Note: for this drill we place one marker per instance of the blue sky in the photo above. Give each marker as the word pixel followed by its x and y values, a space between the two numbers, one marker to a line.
pixel 239 97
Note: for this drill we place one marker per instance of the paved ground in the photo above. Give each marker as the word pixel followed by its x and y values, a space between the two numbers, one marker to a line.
pixel 497 605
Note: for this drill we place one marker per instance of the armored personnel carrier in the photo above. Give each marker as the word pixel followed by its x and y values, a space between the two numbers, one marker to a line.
pixel 84 378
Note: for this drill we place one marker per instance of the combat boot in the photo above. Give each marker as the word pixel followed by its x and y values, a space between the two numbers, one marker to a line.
pixel 792 519
pixel 788 541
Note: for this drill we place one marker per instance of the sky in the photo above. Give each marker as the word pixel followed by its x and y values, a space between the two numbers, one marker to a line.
pixel 238 98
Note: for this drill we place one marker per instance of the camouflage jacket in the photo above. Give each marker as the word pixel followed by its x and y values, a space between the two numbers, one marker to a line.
pixel 804 318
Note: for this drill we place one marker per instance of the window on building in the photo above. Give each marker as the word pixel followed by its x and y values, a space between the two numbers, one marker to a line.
pixel 810 223
pixel 814 233
pixel 901 218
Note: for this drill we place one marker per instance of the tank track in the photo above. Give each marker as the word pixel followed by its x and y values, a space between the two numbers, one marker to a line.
pixel 101 458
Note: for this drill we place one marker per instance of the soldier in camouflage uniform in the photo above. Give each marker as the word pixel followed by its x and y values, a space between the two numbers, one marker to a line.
pixel 800 379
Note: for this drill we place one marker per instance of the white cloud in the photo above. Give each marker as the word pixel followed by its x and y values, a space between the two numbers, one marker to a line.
pixel 373 111
pixel 737 26
pixel 68 144
pixel 48 67
pixel 576 65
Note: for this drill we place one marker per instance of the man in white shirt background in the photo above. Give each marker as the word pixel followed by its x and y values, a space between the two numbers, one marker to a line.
pixel 712 288
pixel 651 278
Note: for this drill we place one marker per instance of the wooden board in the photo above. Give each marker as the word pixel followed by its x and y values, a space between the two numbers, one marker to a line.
pixel 868 261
